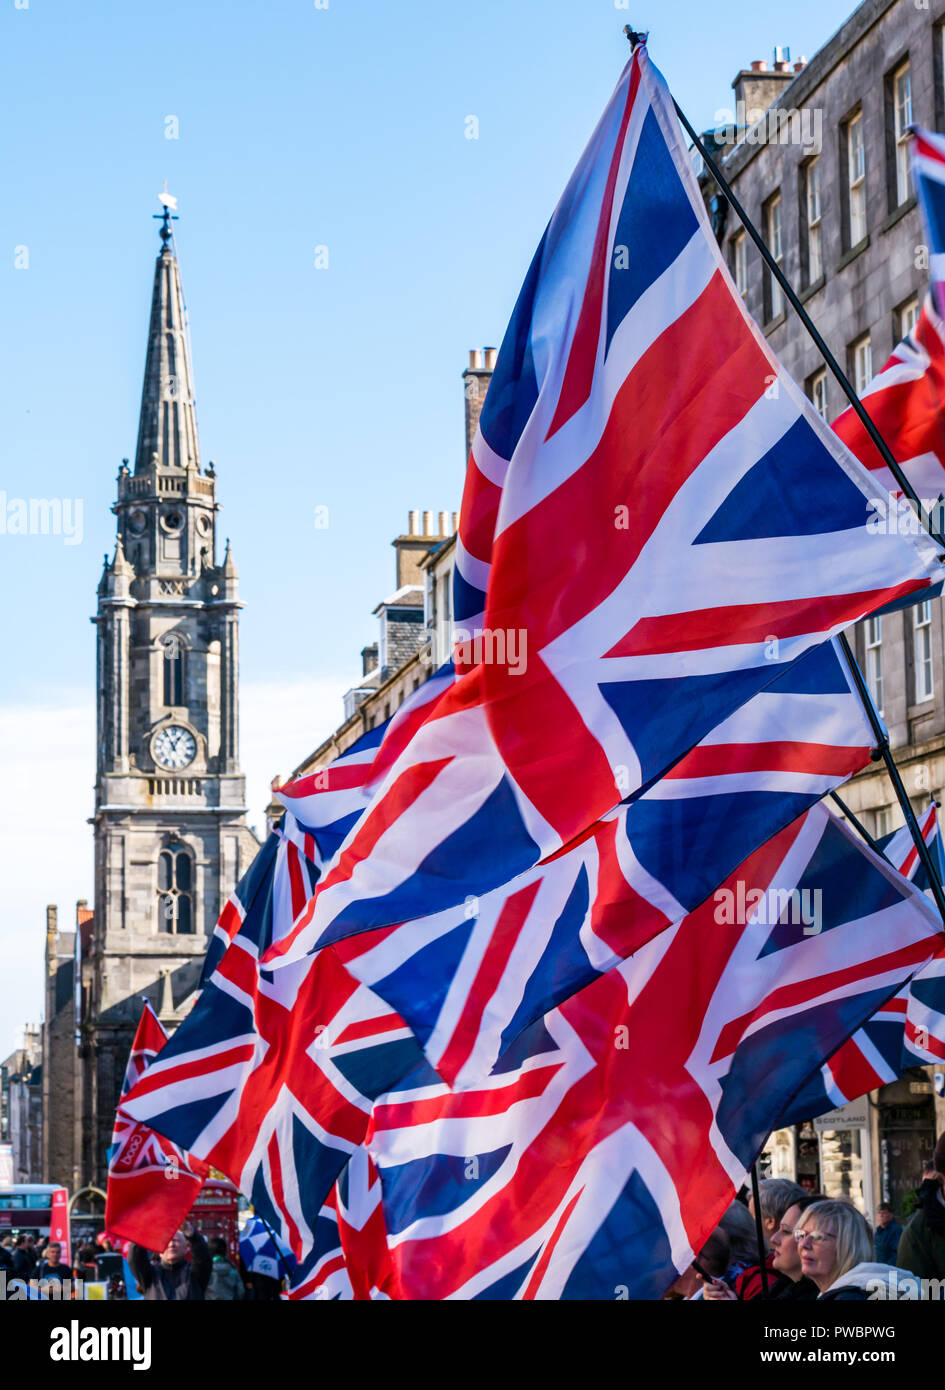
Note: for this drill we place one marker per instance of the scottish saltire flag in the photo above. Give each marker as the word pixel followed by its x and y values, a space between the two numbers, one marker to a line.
pixel 639 549
pixel 907 1030
pixel 271 1078
pixel 152 1182
pixel 468 980
pixel 906 399
pixel 263 1253
pixel 600 1153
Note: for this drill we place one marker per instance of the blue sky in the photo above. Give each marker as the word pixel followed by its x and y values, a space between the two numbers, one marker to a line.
pixel 298 126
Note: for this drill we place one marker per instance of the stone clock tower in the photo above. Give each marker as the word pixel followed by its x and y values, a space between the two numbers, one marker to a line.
pixel 171 838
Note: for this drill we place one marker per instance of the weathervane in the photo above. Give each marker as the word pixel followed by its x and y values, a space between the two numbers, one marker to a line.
pixel 169 203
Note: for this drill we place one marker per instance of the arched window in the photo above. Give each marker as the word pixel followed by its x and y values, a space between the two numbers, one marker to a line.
pixel 173 669
pixel 175 892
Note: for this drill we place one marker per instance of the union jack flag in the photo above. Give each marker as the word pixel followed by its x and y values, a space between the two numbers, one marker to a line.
pixel 899 848
pixel 152 1182
pixel 600 1153
pixel 907 1030
pixel 906 399
pixel 271 1078
pixel 467 980
pixel 638 521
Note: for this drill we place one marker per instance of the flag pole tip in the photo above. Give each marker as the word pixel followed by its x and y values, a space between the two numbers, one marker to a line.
pixel 635 36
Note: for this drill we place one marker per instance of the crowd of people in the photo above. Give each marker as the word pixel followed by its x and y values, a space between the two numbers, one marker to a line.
pixel 188 1268
pixel 817 1248
pixel 820 1248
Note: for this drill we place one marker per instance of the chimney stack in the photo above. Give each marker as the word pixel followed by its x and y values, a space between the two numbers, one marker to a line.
pixel 476 380
pixel 757 87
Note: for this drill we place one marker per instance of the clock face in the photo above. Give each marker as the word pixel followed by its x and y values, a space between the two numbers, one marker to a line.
pixel 174 746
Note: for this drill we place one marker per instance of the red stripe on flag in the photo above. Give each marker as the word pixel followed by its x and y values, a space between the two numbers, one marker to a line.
pixel 185 1071
pixel 853 1074
pixel 928 1043
pixel 538 1273
pixel 793 995
pixel 495 958
pixel 278 1193
pixel 737 624
pixel 370 1028
pixel 464 1104
pixel 717 759
pixel 409 786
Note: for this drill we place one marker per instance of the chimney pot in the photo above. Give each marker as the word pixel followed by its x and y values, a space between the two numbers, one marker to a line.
pixel 473 359
pixel 428 523
pixel 490 355
pixel 759 65
pixel 444 523
pixel 413 524
pixel 800 64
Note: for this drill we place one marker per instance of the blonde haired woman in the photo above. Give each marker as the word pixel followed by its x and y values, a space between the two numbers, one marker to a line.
pixel 835 1244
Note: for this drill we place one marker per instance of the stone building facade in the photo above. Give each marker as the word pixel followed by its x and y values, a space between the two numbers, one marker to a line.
pixel 170 832
pixel 817 154
pixel 21 1088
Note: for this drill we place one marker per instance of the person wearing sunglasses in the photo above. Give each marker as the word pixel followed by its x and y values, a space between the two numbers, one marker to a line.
pixel 835 1245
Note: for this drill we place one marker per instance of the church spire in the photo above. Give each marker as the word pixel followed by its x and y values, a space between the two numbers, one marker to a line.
pixel 168 424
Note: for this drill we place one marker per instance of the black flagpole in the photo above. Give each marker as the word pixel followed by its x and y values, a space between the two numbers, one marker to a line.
pixel 759 1229
pixel 882 738
pixel 857 824
pixel 281 1258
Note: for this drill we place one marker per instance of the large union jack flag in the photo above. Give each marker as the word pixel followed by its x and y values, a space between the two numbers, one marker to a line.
pixel 152 1182
pixel 467 980
pixel 598 1155
pixel 655 525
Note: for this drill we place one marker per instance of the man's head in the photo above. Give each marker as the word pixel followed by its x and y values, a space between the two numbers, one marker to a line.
pixel 777 1194
pixel 217 1247
pixel 20 1243
pixel 884 1214
pixel 53 1252
pixel 175 1250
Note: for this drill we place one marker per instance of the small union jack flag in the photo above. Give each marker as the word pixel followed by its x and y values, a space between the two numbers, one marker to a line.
pixel 152 1182
pixel 271 1078
pixel 907 1030
pixel 906 399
